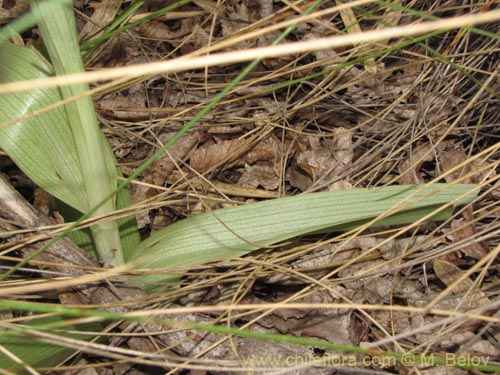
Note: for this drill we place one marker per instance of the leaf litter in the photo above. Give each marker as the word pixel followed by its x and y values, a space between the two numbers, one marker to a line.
pixel 397 118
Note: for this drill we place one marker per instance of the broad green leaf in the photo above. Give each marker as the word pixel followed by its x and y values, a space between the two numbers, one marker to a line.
pixel 232 232
pixel 42 146
pixel 36 353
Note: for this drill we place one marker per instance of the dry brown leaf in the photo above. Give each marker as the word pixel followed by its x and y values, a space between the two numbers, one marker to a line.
pixel 259 175
pixel 158 30
pixel 237 15
pixel 462 231
pixel 448 273
pixel 468 343
pixel 10 10
pixel 321 159
pixel 331 325
pixel 392 321
pixel 104 13
pixel 131 107
pixel 157 174
pixel 324 259
pixel 229 189
pixel 329 57
pixel 211 154
pixel 193 343
pixel 232 152
pixel 457 158
pixel 139 193
pixel 409 169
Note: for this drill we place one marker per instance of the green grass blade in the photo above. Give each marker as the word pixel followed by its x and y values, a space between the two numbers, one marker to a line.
pixel 427 359
pixel 58 30
pixel 203 238
pixel 110 28
pixel 90 46
pixel 35 353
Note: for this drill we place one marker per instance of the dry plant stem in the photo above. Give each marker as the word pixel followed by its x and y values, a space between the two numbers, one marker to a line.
pixel 184 64
pixel 59 32
pixel 64 252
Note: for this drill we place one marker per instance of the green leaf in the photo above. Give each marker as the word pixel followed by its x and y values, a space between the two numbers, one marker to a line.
pixel 204 238
pixel 129 235
pixel 97 163
pixel 81 237
pixel 36 353
pixel 42 145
